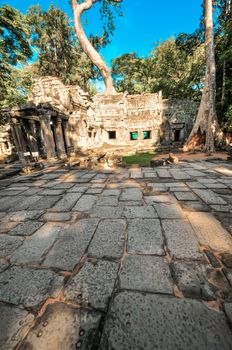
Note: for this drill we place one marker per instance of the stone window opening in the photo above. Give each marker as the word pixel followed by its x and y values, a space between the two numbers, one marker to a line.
pixel 90 134
pixel 134 135
pixel 177 135
pixel 112 135
pixel 147 135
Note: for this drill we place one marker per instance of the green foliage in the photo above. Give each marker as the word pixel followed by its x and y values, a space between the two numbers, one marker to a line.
pixel 14 51
pixel 58 51
pixel 174 71
pixel 178 73
pixel 132 74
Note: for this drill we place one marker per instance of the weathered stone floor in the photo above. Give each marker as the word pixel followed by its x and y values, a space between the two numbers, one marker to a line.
pixel 131 259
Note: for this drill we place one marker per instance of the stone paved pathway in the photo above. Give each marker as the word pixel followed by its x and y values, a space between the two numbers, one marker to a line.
pixel 131 259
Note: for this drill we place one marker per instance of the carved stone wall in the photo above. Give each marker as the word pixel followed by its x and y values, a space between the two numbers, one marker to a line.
pixel 121 120
pixel 136 121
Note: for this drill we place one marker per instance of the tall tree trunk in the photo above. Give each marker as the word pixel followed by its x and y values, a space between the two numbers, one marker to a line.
pixel 206 123
pixel 223 84
pixel 87 47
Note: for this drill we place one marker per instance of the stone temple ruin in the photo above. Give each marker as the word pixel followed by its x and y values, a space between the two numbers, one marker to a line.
pixel 59 120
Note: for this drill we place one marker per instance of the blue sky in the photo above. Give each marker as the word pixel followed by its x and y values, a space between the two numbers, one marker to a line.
pixel 144 22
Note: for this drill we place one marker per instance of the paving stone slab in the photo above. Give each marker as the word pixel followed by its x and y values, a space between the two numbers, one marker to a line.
pixel 139 212
pixel 169 211
pixel 185 196
pixel 157 187
pixel 181 239
pixel 210 232
pixel 27 286
pixel 209 196
pixel 180 174
pixel 64 327
pixel 14 325
pixel 145 273
pixel 158 199
pixel 9 202
pixel 52 216
pixel 7 225
pixel 45 202
pixel 111 192
pixel 63 185
pixel 217 185
pixel 11 192
pixel 107 212
pixel 25 203
pixel 167 323
pixel 85 203
pixel 94 190
pixel 195 173
pixel 68 250
pixel 78 188
pixel 221 208
pixel 66 202
pixel 145 237
pixel 93 285
pixel 51 192
pixel 131 194
pixel 130 203
pixel 191 278
pixel 35 248
pixel 163 173
pixel 111 201
pixel 228 310
pixel 26 228
pixel 3 264
pixel 109 239
pixel 9 244
pixel 195 184
pixel 22 215
pixel 194 206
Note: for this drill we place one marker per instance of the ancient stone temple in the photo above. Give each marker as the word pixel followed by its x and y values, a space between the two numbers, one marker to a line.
pixel 60 119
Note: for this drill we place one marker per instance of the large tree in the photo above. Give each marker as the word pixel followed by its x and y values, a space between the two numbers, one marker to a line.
pixel 79 7
pixel 206 128
pixel 14 52
pixel 57 48
pixel 175 71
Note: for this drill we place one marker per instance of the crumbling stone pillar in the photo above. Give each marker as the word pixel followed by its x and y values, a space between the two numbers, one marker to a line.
pixel 49 145
pixel 60 139
pixel 17 136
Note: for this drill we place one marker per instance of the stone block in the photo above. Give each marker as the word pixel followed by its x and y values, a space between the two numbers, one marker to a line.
pixel 169 211
pixel 9 244
pixel 181 239
pixel 14 325
pixel 210 232
pixel 145 321
pixel 63 327
pixel 69 249
pixel 93 284
pixel 85 203
pixel 109 239
pixel 145 237
pixel 28 287
pixel 26 228
pixel 140 212
pixel 67 202
pixel 145 273
pixel 36 247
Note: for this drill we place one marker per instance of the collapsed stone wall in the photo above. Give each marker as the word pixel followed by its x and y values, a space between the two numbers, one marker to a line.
pixel 121 121
pixel 135 121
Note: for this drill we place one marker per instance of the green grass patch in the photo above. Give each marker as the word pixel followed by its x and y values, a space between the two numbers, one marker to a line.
pixel 142 159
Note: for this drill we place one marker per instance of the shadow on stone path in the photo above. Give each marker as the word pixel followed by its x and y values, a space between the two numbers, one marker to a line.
pixel 135 258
